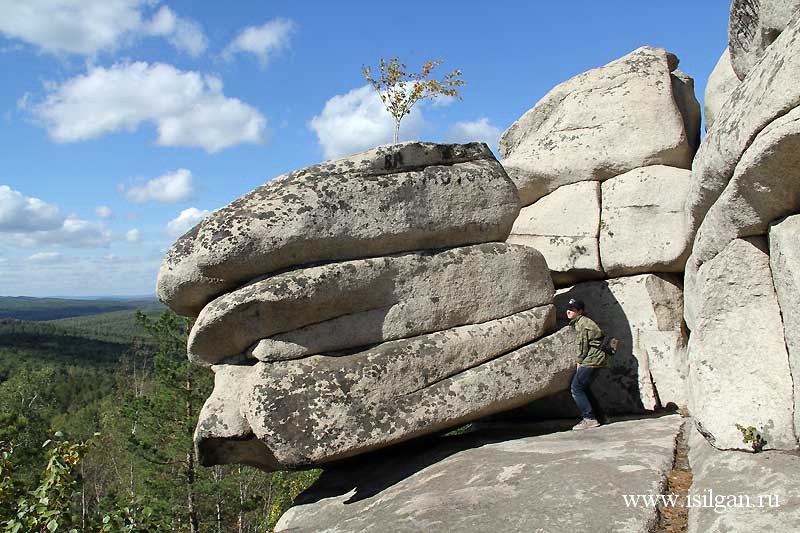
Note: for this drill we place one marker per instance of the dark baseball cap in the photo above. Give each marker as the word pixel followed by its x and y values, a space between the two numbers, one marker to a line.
pixel 575 304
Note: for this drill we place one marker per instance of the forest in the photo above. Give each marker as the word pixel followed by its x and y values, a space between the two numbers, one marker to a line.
pixel 98 404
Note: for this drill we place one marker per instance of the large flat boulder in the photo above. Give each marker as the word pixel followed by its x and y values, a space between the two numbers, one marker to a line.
pixel 753 26
pixel 784 259
pixel 602 123
pixel 720 85
pixel 738 363
pixel 564 226
pixel 740 492
pixel 768 92
pixel 390 199
pixel 513 482
pixel 323 408
pixel 765 186
pixel 649 368
pixel 643 225
pixel 344 305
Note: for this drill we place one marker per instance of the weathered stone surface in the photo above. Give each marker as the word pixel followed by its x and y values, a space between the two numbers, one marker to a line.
pixel 344 305
pixel 649 368
pixel 720 85
pixel 752 479
pixel 765 186
pixel 683 90
pixel 390 199
pixel 784 259
pixel 769 91
pixel 738 364
pixel 599 124
pixel 753 26
pixel 643 226
pixel 513 482
pixel 564 226
pixel 323 408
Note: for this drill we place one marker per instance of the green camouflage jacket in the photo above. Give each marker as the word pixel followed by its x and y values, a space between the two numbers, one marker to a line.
pixel 589 336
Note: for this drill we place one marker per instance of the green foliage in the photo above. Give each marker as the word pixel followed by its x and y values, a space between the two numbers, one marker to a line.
pixel 48 507
pixel 751 436
pixel 399 90
pixel 143 397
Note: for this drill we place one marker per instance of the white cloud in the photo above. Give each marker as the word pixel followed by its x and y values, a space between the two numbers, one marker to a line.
pixel 187 108
pixel 263 41
pixel 186 221
pixel 20 213
pixel 480 130
pixel 356 121
pixel 133 236
pixel 88 27
pixel 185 35
pixel 28 222
pixel 45 257
pixel 80 275
pixel 170 188
pixel 103 211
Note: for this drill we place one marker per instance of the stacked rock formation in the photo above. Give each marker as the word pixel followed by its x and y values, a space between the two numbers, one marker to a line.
pixel 602 166
pixel 362 302
pixel 741 282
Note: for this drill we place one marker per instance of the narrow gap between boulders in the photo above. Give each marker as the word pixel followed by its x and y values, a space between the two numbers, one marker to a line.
pixel 675 518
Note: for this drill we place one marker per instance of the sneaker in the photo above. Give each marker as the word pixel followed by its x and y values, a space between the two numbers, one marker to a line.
pixel 586 423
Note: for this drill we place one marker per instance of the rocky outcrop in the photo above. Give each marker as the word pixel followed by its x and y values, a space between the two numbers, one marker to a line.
pixel 784 258
pixel 633 112
pixel 738 363
pixel 564 227
pixel 345 305
pixel 740 493
pixel 323 408
pixel 514 482
pixel 383 201
pixel 753 27
pixel 720 85
pixel 649 369
pixel 769 92
pixel 643 226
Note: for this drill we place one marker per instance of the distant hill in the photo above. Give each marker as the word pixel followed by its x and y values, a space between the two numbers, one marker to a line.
pixel 28 308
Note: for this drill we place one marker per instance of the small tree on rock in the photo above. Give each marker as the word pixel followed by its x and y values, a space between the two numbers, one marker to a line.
pixel 400 90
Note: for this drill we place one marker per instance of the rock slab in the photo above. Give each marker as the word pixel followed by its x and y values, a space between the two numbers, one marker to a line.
pixel 319 409
pixel 390 199
pixel 564 226
pixel 602 123
pixel 784 259
pixel 643 225
pixel 753 26
pixel 738 363
pixel 765 487
pixel 345 305
pixel 720 85
pixel 560 482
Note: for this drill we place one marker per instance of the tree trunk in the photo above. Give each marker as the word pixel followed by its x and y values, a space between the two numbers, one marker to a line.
pixel 396 131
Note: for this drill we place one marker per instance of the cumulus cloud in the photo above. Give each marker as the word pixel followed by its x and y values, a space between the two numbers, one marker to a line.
pixel 185 35
pixel 186 221
pixel 480 130
pixel 133 236
pixel 87 27
pixel 187 108
pixel 170 188
pixel 28 222
pixel 20 213
pixel 357 121
pixel 262 41
pixel 103 211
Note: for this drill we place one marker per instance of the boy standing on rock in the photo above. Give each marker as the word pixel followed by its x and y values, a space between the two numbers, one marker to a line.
pixel 590 359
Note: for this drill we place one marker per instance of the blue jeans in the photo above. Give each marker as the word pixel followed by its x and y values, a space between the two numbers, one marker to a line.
pixel 580 391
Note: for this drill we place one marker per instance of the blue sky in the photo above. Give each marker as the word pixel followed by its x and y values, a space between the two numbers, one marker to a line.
pixel 124 121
